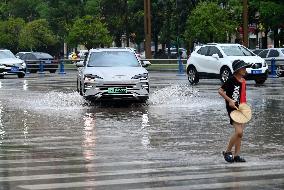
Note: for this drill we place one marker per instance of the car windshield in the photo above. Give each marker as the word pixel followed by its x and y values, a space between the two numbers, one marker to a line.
pixel 40 55
pixel 113 59
pixel 6 54
pixel 236 51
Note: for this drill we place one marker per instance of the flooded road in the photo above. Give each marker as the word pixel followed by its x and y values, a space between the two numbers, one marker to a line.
pixel 51 138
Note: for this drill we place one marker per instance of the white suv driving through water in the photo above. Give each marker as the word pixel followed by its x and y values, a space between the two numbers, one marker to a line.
pixel 113 74
pixel 215 61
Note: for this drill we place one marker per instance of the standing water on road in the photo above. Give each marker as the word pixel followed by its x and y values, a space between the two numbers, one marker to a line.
pixel 51 138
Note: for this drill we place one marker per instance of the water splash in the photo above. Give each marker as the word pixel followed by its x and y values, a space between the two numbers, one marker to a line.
pixel 61 103
pixel 173 94
pixel 184 96
pixel 180 93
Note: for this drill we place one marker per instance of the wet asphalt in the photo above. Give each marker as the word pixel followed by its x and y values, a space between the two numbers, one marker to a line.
pixel 51 138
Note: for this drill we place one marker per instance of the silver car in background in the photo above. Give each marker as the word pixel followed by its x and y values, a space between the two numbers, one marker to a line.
pixel 112 74
pixel 10 65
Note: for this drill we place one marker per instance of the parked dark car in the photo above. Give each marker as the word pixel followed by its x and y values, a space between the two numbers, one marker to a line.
pixel 35 59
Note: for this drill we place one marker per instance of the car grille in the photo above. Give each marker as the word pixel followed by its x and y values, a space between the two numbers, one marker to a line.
pixel 256 66
pixel 106 86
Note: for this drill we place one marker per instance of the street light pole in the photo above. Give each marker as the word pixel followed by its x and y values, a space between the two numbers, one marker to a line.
pixel 180 64
pixel 245 22
pixel 147 28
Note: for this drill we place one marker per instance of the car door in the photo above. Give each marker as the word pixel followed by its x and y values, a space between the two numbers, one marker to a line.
pixel 200 59
pixel 214 63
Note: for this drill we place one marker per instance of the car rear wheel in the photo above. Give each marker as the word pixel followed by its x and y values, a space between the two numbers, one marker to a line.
pixel 81 90
pixel 192 76
pixel 225 74
pixel 21 75
pixel 278 71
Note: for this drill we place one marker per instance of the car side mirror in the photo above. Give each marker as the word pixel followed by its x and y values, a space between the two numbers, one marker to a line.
pixel 216 56
pixel 145 63
pixel 80 64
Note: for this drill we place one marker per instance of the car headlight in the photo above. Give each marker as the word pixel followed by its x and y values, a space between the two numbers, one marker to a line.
pixel 141 76
pixel 91 78
pixel 23 64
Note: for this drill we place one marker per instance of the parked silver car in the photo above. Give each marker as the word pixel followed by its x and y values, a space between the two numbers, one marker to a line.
pixel 112 74
pixel 10 65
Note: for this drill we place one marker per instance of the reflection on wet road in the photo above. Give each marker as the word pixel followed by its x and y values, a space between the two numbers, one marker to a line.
pixel 51 138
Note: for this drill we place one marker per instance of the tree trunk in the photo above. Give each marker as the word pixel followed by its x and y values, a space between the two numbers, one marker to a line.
pixel 264 40
pixel 276 37
pixel 156 43
pixel 117 41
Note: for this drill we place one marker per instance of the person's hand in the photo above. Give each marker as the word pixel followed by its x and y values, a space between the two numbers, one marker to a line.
pixel 232 104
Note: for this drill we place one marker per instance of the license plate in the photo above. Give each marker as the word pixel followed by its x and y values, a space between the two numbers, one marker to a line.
pixel 117 90
pixel 47 61
pixel 256 72
pixel 14 69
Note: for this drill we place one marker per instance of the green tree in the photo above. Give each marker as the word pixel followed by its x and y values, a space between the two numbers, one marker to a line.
pixel 25 9
pixel 9 33
pixel 114 14
pixel 90 32
pixel 209 23
pixel 93 7
pixel 36 35
pixel 271 14
pixel 3 10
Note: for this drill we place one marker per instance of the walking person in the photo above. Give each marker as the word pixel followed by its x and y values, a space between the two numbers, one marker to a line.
pixel 234 93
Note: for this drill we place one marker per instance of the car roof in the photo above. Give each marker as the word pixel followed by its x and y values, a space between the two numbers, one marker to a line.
pixel 276 48
pixel 41 55
pixel 223 44
pixel 111 49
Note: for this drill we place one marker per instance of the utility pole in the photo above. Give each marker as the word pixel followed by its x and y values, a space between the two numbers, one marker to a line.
pixel 245 22
pixel 147 28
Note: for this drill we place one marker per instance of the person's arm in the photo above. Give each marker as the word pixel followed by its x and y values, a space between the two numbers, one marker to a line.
pixel 232 103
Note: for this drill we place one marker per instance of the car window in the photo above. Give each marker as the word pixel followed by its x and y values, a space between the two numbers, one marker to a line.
pixel 203 50
pixel 214 50
pixel 263 53
pixel 273 53
pixel 257 51
pixel 28 57
pixel 113 59
pixel 282 51
pixel 236 51
pixel 6 54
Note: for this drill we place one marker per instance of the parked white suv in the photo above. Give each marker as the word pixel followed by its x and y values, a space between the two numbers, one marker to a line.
pixel 215 61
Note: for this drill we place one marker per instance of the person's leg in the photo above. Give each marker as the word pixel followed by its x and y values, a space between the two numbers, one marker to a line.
pixel 239 132
pixel 235 137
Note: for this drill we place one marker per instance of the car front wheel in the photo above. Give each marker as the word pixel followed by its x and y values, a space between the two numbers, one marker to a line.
pixel 192 76
pixel 259 81
pixel 225 74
